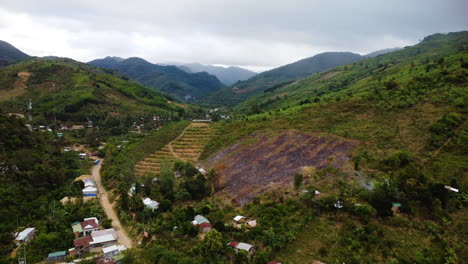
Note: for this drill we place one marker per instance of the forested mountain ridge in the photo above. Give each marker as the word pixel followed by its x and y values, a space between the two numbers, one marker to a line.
pixel 70 91
pixel 168 79
pixel 439 59
pixel 9 54
pixel 280 76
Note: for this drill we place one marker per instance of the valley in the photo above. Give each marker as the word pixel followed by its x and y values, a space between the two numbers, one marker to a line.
pixel 335 158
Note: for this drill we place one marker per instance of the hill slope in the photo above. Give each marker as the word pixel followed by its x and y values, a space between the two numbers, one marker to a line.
pixel 280 76
pixel 73 91
pixel 10 54
pixel 167 79
pixel 228 76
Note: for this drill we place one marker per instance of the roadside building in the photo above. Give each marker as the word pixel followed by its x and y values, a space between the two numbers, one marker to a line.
pixel 107 237
pixel 89 225
pixel 241 246
pixel 112 250
pixel 57 256
pixel 77 229
pixel 90 191
pixel 205 227
pixel 150 204
pixel 251 224
pixel 25 235
pixel 82 244
pixel 239 219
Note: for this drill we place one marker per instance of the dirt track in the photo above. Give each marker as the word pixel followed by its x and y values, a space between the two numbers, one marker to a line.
pixel 122 236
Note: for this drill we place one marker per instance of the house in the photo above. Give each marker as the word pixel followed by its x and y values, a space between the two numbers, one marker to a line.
pixel 241 246
pixel 89 225
pixel 77 229
pixel 251 224
pixel 112 250
pixel 203 223
pixel 57 256
pixel 239 219
pixel 25 235
pixel 82 244
pixel 105 237
pixel 82 155
pixel 199 219
pixel 150 204
pixel 90 191
pixel 89 183
pixel 205 227
pixel 396 207
pixel 75 127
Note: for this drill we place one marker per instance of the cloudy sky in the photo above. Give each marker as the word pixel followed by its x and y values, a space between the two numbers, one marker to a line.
pixel 258 35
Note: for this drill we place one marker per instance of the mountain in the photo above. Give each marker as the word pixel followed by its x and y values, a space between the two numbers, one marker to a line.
pixel 167 79
pixel 280 76
pixel 10 54
pixel 228 76
pixel 71 91
pixel 386 135
pixel 360 77
pixel 380 52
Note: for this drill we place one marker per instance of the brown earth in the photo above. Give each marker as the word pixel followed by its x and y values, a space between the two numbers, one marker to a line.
pixel 259 163
pixel 18 89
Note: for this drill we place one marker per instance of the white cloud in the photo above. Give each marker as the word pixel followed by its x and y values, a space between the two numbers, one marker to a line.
pixel 253 34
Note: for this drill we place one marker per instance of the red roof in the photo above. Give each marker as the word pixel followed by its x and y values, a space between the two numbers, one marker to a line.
pixel 203 225
pixel 91 223
pixel 83 241
pixel 233 244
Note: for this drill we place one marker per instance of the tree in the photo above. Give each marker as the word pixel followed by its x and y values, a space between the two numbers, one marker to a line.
pixel 298 179
pixel 212 245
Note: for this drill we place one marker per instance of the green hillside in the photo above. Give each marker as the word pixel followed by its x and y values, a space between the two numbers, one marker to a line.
pixel 286 74
pixel 167 79
pixel 75 92
pixel 411 74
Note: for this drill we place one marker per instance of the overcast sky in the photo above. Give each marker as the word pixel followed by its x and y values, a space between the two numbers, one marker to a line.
pixel 255 34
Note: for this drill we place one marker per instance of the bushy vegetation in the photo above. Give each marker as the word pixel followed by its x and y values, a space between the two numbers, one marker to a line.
pixel 35 175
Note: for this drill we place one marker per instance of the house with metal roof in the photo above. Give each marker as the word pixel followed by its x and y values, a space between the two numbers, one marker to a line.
pixel 240 246
pixel 25 235
pixel 57 256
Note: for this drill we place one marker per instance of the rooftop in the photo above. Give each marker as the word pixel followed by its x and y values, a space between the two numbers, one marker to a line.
pixel 23 234
pixel 57 254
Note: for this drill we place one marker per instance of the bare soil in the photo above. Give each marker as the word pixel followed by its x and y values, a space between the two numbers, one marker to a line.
pixel 259 163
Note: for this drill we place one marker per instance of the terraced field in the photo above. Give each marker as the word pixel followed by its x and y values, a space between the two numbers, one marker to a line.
pixel 187 147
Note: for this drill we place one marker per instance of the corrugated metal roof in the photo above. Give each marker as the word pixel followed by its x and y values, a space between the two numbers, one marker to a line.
pixel 57 254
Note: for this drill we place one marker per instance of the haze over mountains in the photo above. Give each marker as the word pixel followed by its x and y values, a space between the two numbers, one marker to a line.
pixel 227 75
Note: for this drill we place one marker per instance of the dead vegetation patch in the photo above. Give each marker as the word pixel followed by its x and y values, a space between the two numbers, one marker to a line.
pixel 269 162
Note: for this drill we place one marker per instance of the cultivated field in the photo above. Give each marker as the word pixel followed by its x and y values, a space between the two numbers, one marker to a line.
pixel 187 147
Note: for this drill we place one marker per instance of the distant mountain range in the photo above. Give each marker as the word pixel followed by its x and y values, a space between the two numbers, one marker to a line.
pixel 285 75
pixel 9 54
pixel 280 76
pixel 227 75
pixel 168 79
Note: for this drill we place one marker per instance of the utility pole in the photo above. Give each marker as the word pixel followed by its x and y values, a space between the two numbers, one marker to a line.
pixel 22 255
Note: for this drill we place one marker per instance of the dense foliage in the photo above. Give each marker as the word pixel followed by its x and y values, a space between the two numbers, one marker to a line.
pixel 34 176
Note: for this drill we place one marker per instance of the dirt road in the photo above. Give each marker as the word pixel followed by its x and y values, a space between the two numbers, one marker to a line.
pixel 122 236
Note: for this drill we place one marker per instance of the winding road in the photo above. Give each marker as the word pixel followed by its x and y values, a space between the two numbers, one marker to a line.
pixel 122 236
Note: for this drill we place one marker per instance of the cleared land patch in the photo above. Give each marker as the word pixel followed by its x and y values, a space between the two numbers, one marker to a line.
pixel 259 163
pixel 187 147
